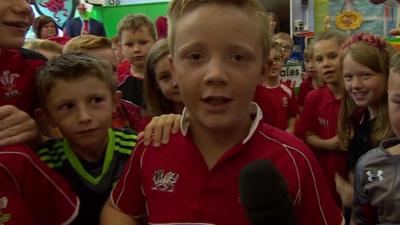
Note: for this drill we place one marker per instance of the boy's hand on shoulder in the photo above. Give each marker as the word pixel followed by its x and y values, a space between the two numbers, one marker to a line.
pixel 16 126
pixel 160 128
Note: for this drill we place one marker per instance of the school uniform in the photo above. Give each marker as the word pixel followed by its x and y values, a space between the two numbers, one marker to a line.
pixel 305 87
pixel 18 70
pixel 31 193
pixel 92 181
pixel 174 185
pixel 320 116
pixel 280 100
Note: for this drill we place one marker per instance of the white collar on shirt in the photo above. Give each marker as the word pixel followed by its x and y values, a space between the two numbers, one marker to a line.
pixel 185 121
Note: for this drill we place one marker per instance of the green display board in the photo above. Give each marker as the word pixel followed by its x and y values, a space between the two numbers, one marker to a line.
pixel 110 16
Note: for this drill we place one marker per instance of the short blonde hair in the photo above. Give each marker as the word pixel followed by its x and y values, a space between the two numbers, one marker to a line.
pixel 43 44
pixel 178 8
pixel 87 42
pixel 134 22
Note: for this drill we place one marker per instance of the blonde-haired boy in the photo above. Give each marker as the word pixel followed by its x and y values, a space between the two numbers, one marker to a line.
pixel 219 55
pixel 136 34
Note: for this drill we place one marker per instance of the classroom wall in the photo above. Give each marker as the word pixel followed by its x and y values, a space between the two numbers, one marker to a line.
pixel 111 15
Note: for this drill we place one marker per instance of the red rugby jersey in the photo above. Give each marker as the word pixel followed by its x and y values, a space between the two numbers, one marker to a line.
pixel 320 116
pixel 174 185
pixel 18 69
pixel 280 100
pixel 32 193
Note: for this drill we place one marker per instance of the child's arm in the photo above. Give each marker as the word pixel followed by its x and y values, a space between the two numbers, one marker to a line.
pixel 315 142
pixel 291 123
pixel 16 126
pixel 111 215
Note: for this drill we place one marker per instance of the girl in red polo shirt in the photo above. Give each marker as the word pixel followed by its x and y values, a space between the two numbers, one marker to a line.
pixel 363 119
pixel 321 109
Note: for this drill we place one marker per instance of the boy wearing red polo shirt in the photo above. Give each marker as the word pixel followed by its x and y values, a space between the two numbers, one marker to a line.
pixel 30 192
pixel 217 62
pixel 275 96
pixel 17 73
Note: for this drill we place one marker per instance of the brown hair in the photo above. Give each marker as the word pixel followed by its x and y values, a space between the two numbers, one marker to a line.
pixel 134 22
pixel 73 66
pixel 178 8
pixel 378 61
pixel 40 22
pixel 156 103
pixel 86 42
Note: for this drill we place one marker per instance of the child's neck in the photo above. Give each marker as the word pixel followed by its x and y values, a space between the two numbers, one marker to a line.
pixel 137 71
pixel 90 153
pixel 337 89
pixel 213 144
pixel 271 82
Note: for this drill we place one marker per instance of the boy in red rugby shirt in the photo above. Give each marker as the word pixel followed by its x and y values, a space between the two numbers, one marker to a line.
pixel 276 96
pixel 217 62
pixel 30 193
pixel 17 74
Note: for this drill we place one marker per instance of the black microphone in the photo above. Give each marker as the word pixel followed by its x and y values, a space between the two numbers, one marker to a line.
pixel 264 194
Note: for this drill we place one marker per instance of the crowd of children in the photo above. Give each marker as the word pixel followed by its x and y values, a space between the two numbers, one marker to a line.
pixel 210 91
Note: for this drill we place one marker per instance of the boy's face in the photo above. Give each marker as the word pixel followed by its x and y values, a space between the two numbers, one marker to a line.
pixel 277 63
pixel 15 19
pixel 327 60
pixel 365 86
pixel 135 45
pixel 218 62
pixel 82 114
pixel 286 47
pixel 394 101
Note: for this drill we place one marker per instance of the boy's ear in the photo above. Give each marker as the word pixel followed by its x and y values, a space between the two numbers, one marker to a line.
pixel 41 115
pixel 171 63
pixel 265 70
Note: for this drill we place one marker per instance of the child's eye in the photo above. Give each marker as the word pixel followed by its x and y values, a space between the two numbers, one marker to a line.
pixel 318 59
pixel 195 56
pixel 65 107
pixel 142 42
pixel 238 57
pixel 97 99
pixel 365 76
pixel 165 77
pixel 348 77
pixel 332 56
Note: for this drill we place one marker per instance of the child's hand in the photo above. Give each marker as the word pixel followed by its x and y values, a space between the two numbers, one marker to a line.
pixel 16 126
pixel 345 190
pixel 159 129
